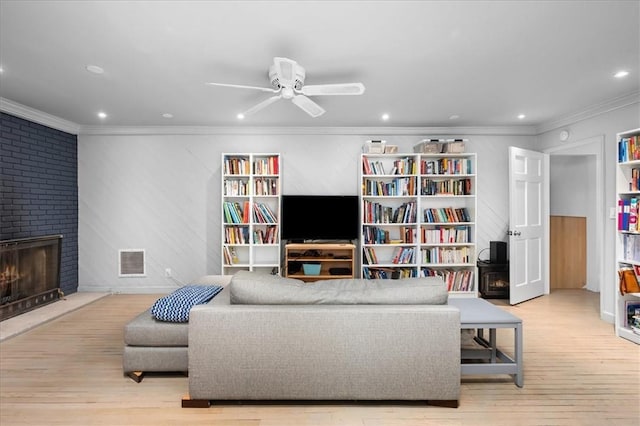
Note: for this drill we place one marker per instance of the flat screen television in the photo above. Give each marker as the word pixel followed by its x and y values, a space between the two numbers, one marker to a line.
pixel 319 217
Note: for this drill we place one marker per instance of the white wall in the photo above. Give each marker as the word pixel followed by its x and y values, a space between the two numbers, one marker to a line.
pixel 571 178
pixel 605 125
pixel 162 193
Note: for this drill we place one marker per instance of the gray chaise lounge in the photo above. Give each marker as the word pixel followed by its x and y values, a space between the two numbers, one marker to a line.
pixel 157 346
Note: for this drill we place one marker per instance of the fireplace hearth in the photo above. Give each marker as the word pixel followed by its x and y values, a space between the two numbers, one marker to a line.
pixel 29 274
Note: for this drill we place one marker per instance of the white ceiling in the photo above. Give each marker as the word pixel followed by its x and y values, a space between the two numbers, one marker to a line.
pixel 421 61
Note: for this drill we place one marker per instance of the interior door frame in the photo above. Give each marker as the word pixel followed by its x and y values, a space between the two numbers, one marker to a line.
pixel 594 146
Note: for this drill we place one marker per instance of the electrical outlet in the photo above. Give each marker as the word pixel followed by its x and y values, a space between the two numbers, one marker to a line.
pixel 167 272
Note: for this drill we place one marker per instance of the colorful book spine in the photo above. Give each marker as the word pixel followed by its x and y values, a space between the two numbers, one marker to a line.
pixel 620 215
pixel 625 214
pixel 633 215
pixel 628 149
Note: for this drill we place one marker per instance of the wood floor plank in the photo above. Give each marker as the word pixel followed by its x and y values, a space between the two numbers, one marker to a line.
pixel 69 372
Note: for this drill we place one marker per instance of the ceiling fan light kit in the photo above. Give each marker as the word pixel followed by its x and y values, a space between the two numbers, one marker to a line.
pixel 287 81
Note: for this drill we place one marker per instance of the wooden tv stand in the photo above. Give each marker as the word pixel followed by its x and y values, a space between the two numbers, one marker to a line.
pixel 336 260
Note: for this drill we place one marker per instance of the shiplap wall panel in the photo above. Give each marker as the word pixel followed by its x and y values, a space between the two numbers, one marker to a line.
pixel 493 191
pixel 161 193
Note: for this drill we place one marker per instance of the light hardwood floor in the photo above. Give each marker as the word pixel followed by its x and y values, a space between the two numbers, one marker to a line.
pixel 69 372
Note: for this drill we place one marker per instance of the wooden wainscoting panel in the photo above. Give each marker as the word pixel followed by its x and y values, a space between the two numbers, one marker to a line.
pixel 568 252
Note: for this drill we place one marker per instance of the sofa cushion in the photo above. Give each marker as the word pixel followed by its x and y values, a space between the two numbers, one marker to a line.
pixel 145 330
pixel 251 288
pixel 175 307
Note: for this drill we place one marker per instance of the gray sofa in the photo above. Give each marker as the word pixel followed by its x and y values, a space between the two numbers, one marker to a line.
pixel 265 337
pixel 156 346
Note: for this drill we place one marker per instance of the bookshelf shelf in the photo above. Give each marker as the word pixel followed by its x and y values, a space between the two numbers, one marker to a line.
pixel 628 228
pixel 435 194
pixel 447 195
pixel 250 212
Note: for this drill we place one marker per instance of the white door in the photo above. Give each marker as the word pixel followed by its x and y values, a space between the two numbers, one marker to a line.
pixel 528 224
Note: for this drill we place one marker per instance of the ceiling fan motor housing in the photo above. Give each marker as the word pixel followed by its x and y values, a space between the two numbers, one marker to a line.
pixel 298 78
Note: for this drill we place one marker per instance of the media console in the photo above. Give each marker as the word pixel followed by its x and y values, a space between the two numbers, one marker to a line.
pixel 335 260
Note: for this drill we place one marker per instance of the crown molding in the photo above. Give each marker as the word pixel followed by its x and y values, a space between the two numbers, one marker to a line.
pixel 590 112
pixel 31 114
pixel 374 131
pixel 28 113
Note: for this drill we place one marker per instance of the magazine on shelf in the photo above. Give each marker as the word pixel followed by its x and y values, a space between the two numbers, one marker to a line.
pixel 632 315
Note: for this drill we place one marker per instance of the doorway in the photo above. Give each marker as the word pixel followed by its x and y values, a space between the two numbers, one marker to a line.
pixel 577 189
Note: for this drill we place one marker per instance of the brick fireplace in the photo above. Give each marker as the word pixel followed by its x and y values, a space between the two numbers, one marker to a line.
pixel 29 274
pixel 39 188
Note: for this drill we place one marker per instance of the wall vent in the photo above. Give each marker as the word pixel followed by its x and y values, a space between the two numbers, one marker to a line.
pixel 131 263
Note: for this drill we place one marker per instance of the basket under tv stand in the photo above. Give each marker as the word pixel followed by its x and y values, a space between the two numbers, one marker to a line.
pixel 336 260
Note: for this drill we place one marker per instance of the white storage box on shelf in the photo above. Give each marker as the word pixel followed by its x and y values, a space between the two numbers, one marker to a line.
pixel 440 146
pixel 454 146
pixel 429 146
pixel 374 147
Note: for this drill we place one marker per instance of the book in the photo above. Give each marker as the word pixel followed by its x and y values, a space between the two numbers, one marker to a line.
pixel 620 214
pixel 227 255
pixel 366 167
pixel 245 212
pixel 633 214
pixel 625 214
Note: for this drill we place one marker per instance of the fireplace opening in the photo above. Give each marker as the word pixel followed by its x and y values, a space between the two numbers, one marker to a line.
pixel 494 280
pixel 29 274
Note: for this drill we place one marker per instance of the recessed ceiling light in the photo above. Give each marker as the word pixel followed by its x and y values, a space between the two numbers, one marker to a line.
pixel 621 74
pixel 167 115
pixel 384 117
pixel 521 116
pixel 95 69
pixel 102 115
pixel 454 117
pixel 240 116
pixel 1 69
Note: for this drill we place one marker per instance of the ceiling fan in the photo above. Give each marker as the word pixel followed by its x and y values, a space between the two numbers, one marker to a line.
pixel 287 81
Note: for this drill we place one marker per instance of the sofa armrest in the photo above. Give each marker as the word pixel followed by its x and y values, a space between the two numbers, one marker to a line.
pixel 221 280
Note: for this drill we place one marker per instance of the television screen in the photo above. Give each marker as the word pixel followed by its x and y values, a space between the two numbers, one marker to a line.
pixel 320 217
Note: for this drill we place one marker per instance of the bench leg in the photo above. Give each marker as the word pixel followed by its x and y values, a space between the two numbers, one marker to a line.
pixel 449 403
pixel 136 376
pixel 187 402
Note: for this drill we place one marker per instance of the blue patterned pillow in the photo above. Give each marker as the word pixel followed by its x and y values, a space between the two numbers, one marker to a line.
pixel 175 307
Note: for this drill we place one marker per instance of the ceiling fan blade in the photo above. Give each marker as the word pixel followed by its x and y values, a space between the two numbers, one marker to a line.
pixel 333 89
pixel 306 104
pixel 261 105
pixel 239 86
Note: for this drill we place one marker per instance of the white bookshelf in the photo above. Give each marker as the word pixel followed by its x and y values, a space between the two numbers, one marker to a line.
pixel 627 240
pixel 433 238
pixel 251 189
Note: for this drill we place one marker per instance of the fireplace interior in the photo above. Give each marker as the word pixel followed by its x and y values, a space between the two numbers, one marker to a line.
pixel 29 274
pixel 494 280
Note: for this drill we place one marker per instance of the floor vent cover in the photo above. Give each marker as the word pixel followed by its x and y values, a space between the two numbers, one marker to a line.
pixel 131 263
